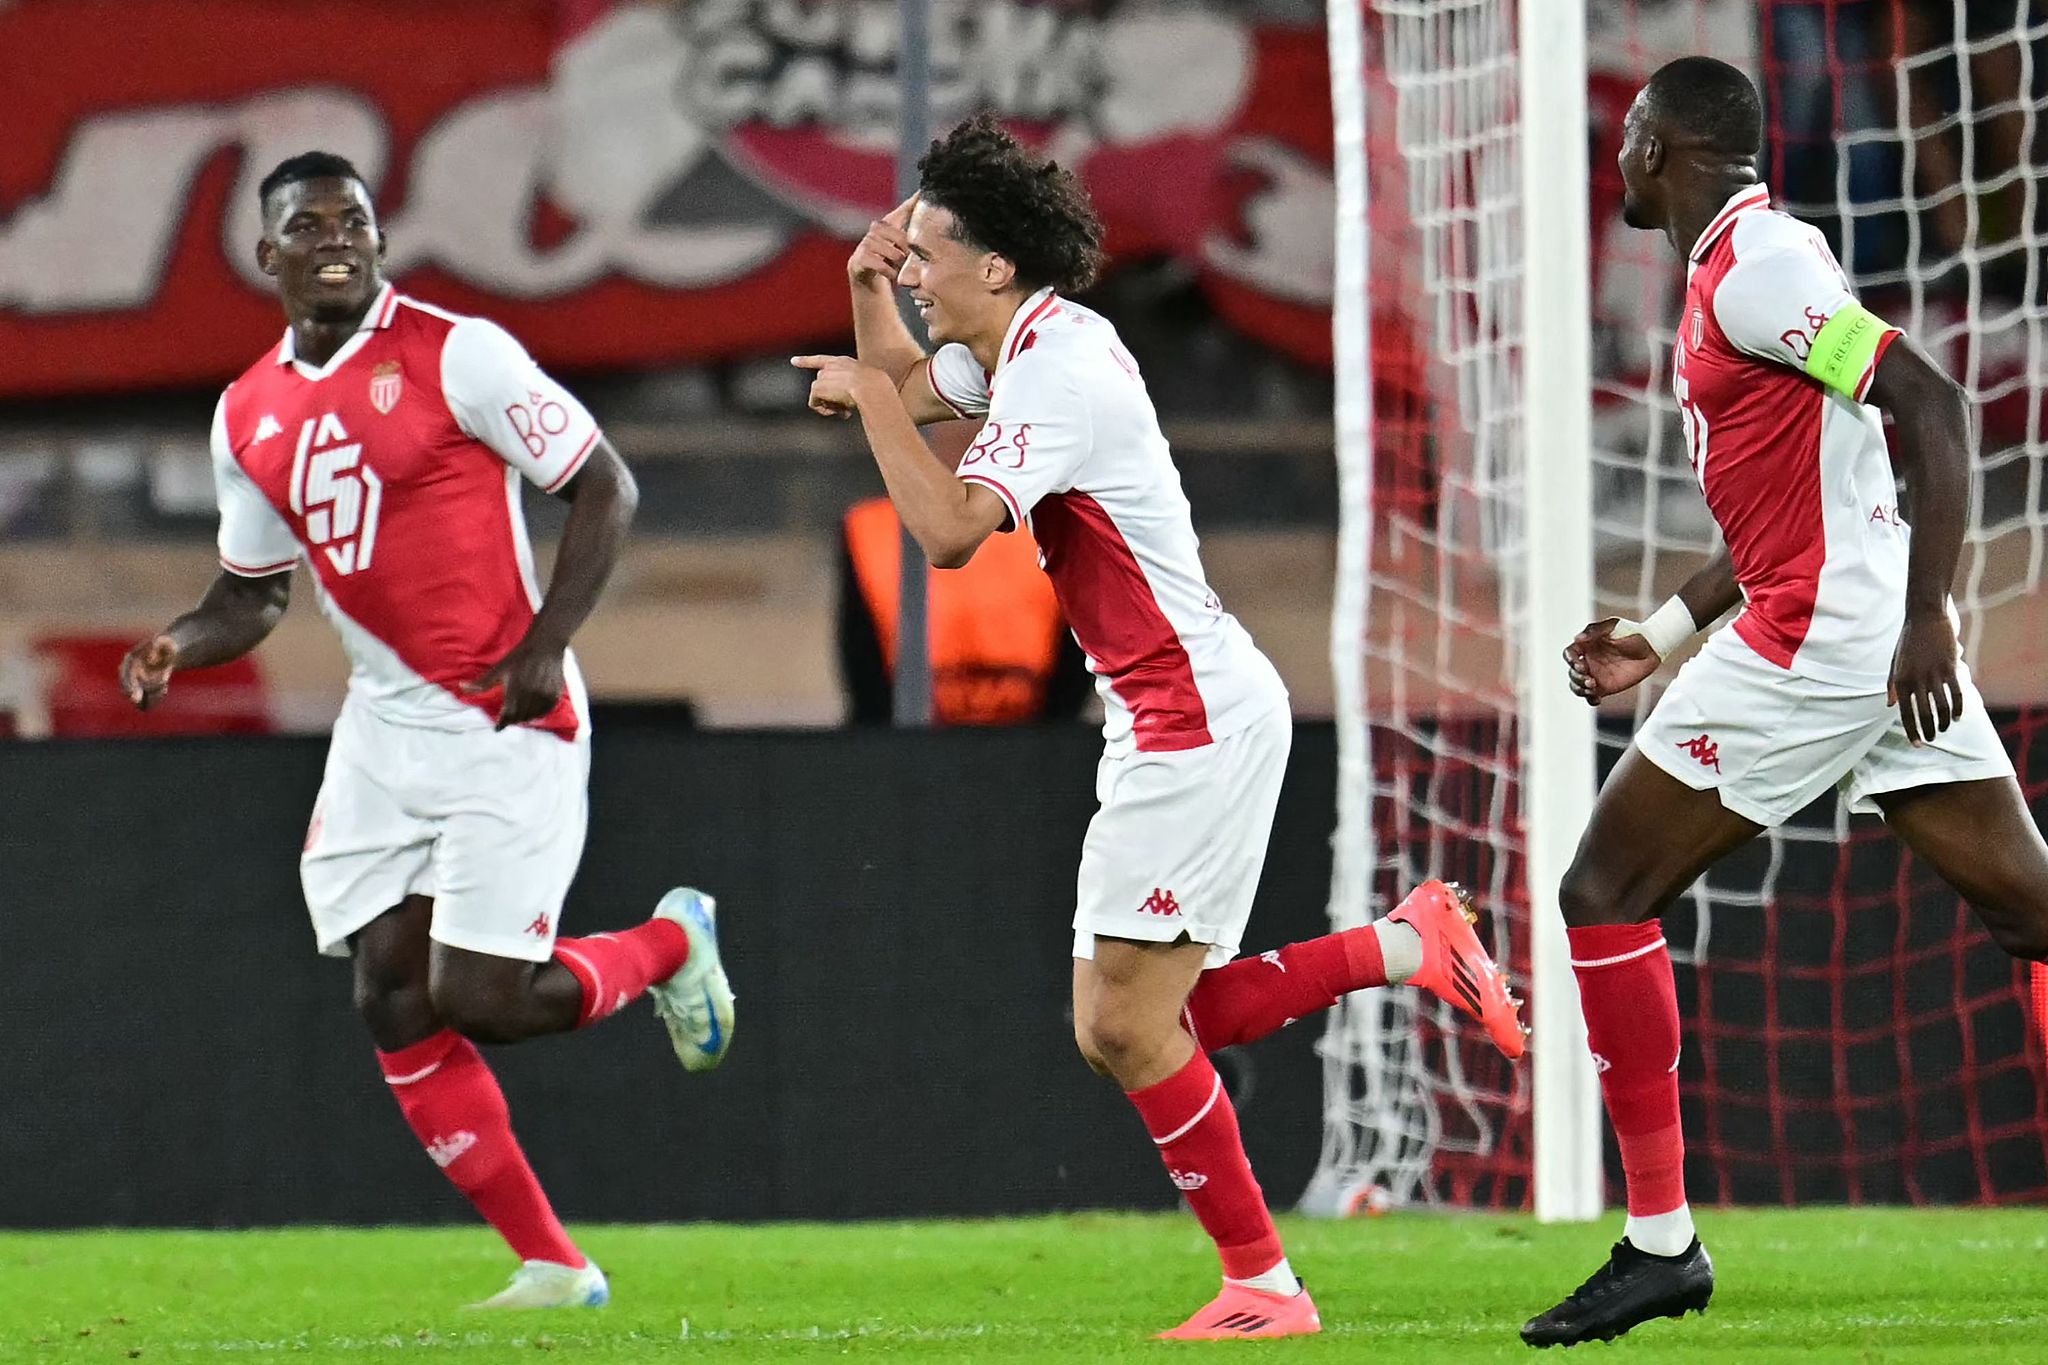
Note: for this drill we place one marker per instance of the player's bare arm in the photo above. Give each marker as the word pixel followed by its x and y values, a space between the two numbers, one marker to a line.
pixel 1609 657
pixel 602 498
pixel 1933 453
pixel 234 617
pixel 880 337
pixel 948 517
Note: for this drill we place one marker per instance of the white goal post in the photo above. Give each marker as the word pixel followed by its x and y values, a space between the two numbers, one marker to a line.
pixel 1483 169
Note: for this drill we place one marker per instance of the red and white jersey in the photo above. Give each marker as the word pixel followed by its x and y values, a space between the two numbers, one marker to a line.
pixel 394 470
pixel 1073 444
pixel 1795 470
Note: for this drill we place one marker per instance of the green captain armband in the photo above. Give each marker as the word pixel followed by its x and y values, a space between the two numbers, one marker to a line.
pixel 1845 349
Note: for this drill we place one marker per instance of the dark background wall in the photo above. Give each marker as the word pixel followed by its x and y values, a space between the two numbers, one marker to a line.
pixel 895 911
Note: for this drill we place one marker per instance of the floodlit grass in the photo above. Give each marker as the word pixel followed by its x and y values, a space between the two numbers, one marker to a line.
pixel 1829 1285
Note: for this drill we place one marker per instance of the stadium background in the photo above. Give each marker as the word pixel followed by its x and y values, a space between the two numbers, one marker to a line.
pixel 658 199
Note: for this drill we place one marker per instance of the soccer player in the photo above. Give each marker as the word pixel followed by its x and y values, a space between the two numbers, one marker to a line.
pixel 1197 728
pixel 383 440
pixel 1841 671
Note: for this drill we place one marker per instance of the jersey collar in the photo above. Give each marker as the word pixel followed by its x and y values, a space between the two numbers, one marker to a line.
pixel 1757 196
pixel 1033 310
pixel 382 309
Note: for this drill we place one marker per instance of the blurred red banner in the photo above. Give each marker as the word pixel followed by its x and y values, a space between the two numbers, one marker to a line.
pixel 670 184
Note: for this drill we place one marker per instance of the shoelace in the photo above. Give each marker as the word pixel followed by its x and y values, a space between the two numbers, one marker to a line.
pixel 1600 1280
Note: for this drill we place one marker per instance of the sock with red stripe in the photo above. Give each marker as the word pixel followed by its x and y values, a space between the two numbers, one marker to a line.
pixel 1194 1126
pixel 1253 996
pixel 457 1111
pixel 1631 1006
pixel 616 969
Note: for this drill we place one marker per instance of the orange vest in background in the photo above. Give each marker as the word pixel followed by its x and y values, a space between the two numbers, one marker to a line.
pixel 993 627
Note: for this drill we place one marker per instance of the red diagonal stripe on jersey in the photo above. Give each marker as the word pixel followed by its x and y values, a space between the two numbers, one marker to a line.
pixel 1119 623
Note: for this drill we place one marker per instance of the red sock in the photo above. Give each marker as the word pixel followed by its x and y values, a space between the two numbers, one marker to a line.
pixel 1254 996
pixel 453 1103
pixel 616 969
pixel 1195 1128
pixel 1631 1009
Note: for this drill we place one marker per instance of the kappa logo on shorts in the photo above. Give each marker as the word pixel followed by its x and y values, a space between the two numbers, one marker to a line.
pixel 1160 903
pixel 540 926
pixel 1703 748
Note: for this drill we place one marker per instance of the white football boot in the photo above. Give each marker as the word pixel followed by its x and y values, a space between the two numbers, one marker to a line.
pixel 550 1284
pixel 695 1003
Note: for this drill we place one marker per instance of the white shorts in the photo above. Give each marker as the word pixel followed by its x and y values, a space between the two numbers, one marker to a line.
pixel 1177 848
pixel 489 824
pixel 1770 741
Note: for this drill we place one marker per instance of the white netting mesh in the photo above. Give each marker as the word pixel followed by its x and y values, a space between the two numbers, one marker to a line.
pixel 1894 1066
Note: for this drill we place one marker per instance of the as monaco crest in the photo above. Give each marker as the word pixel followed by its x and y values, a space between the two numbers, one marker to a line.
pixel 386 386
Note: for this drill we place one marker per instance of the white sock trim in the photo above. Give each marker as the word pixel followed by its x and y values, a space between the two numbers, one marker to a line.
pixel 429 1069
pixel 1661 1234
pixel 1279 1280
pixel 1400 949
pixel 1628 956
pixel 1215 1092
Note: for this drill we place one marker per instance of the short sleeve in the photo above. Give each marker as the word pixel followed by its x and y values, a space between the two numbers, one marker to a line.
pixel 1789 302
pixel 255 541
pixel 501 397
pixel 1035 439
pixel 959 381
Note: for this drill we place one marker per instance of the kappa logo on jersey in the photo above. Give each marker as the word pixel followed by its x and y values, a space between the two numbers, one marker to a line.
pixel 540 926
pixel 336 493
pixel 1699 327
pixel 1160 903
pixel 1703 748
pixel 1272 958
pixel 387 386
pixel 266 429
pixel 1601 1066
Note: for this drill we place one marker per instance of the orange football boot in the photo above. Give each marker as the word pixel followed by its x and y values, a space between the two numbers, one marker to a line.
pixel 1454 965
pixel 1241 1312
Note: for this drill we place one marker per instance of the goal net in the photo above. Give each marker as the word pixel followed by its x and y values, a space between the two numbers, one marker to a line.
pixel 1851 1035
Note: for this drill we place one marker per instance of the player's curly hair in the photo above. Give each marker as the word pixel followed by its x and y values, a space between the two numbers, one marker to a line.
pixel 1007 199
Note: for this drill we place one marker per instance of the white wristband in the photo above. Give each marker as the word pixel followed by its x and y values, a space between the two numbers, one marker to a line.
pixel 1668 627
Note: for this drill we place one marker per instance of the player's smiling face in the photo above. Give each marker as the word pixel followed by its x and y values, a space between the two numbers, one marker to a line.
pixel 953 282
pixel 320 239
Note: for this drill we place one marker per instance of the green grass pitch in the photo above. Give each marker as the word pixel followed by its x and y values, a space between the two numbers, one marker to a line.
pixel 1817 1285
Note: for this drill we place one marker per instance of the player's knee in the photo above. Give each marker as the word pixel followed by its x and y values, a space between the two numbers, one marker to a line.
pixel 395 1005
pixel 1587 897
pixel 1116 1040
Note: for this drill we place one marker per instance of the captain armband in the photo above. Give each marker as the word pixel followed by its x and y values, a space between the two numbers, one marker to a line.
pixel 1846 349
